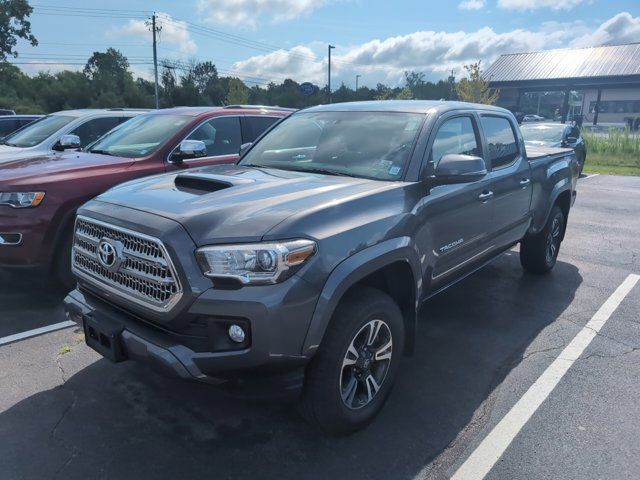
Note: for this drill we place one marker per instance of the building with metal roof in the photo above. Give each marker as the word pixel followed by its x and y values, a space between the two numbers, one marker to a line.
pixel 597 84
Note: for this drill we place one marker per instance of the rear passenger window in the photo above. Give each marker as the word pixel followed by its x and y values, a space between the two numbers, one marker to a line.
pixel 455 136
pixel 7 126
pixel 503 146
pixel 220 135
pixel 95 128
pixel 255 126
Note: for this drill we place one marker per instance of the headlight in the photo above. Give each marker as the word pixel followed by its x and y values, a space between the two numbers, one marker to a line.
pixel 257 263
pixel 21 199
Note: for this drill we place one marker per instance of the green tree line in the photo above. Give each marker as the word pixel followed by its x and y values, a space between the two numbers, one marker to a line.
pixel 107 81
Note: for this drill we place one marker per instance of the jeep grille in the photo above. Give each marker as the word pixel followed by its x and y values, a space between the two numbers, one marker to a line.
pixel 144 272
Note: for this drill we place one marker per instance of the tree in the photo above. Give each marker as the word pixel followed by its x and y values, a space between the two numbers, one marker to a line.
pixel 476 89
pixel 238 92
pixel 14 25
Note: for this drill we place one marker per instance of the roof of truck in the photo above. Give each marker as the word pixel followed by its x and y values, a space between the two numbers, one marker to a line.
pixel 407 106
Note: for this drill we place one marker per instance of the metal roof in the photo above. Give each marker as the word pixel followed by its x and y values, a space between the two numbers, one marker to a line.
pixel 570 63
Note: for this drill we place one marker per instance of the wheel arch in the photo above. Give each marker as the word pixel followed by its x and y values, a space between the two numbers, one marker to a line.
pixel 392 266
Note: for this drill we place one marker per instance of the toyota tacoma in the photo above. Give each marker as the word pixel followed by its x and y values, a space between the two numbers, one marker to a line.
pixel 304 264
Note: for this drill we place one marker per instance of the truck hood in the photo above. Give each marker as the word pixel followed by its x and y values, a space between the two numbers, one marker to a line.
pixel 233 203
pixel 44 169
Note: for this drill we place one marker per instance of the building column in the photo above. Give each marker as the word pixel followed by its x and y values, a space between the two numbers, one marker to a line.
pixel 565 106
pixel 519 100
pixel 597 106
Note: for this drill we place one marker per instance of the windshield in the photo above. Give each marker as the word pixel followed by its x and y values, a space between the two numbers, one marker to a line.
pixel 542 133
pixel 362 144
pixel 38 131
pixel 140 136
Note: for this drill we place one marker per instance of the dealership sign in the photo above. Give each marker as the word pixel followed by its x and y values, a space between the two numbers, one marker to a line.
pixel 308 88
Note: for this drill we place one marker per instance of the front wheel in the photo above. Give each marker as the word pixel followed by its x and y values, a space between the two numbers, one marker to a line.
pixel 539 253
pixel 351 376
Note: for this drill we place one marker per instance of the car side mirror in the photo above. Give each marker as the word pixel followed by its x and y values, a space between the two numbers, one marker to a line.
pixel 458 168
pixel 67 142
pixel 244 147
pixel 189 149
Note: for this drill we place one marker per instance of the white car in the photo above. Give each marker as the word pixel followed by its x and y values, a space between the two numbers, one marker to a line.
pixel 60 131
pixel 533 118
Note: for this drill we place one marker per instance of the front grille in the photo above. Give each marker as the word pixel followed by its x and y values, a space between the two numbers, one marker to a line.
pixel 142 269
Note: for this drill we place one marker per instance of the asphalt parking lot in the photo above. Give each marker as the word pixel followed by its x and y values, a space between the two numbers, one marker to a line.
pixel 67 413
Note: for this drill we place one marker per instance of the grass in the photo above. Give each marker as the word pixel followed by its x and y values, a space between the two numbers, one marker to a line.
pixel 614 153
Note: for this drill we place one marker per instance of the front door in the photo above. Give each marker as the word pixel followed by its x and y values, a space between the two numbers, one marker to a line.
pixel 222 137
pixel 454 220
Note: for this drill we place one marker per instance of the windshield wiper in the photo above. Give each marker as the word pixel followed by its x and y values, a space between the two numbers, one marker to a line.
pixel 101 152
pixel 324 171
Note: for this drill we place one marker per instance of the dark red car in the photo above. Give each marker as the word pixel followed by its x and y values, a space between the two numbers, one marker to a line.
pixel 39 196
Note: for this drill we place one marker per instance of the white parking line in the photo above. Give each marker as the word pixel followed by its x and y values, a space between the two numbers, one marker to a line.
pixel 37 331
pixel 590 176
pixel 484 457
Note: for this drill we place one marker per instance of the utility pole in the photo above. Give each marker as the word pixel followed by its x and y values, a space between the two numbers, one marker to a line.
pixel 155 57
pixel 331 47
pixel 357 77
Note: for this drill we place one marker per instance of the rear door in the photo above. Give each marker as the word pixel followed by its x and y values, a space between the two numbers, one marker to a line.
pixel 254 125
pixel 454 222
pixel 510 178
pixel 222 137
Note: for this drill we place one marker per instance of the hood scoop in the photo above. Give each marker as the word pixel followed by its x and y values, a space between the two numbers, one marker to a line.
pixel 207 183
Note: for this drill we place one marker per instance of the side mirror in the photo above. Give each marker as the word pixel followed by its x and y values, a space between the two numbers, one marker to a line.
pixel 458 168
pixel 68 142
pixel 244 147
pixel 189 149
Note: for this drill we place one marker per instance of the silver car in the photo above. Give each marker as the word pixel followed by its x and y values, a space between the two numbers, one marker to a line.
pixel 60 131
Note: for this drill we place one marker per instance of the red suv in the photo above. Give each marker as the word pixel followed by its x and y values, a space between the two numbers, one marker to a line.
pixel 39 196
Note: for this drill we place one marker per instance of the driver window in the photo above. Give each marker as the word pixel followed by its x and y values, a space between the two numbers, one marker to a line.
pixel 455 136
pixel 220 135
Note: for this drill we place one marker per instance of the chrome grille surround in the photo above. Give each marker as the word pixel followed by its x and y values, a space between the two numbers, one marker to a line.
pixel 146 276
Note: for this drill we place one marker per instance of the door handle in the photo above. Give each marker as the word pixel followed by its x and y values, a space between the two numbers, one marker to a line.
pixel 485 196
pixel 524 182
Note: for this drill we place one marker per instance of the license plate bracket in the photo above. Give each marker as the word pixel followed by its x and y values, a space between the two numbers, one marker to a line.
pixel 103 335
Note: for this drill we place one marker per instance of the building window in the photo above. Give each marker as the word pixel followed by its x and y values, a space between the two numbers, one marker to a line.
pixel 616 106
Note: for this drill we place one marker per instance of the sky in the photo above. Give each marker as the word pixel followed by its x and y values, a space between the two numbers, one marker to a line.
pixel 269 40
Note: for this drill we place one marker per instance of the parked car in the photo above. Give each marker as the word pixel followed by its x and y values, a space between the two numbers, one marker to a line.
pixel 39 195
pixel 307 261
pixel 556 135
pixel 61 131
pixel 6 111
pixel 12 123
pixel 532 118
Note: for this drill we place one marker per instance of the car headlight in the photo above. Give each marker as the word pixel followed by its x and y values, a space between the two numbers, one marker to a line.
pixel 21 199
pixel 254 264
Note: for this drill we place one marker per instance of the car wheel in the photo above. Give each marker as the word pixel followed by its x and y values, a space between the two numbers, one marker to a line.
pixel 352 374
pixel 581 162
pixel 62 262
pixel 539 253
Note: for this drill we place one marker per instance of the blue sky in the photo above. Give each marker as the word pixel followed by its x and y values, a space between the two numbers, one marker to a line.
pixel 268 40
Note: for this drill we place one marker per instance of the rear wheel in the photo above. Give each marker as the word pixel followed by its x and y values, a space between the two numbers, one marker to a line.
pixel 539 253
pixel 351 376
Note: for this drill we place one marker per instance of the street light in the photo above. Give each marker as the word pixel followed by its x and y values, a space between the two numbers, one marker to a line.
pixel 331 47
pixel 357 77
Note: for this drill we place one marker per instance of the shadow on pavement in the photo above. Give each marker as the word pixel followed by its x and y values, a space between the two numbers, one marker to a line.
pixel 122 421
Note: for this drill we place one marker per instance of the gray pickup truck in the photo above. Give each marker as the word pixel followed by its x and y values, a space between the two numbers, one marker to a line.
pixel 305 264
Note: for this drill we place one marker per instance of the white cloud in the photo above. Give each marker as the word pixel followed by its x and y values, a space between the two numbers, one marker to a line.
pixel 173 32
pixel 246 13
pixel 622 28
pixel 471 4
pixel 33 68
pixel 385 60
pixel 535 4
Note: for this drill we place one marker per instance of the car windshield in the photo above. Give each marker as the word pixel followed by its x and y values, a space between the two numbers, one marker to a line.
pixel 372 145
pixel 140 136
pixel 542 133
pixel 38 131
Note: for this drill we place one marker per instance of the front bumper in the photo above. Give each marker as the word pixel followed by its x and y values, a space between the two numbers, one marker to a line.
pixel 119 335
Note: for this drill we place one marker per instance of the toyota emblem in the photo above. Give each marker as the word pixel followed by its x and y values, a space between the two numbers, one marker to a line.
pixel 110 254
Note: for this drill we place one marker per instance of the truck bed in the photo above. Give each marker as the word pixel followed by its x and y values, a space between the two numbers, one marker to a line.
pixel 536 153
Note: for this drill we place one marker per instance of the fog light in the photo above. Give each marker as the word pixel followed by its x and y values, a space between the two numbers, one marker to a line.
pixel 236 333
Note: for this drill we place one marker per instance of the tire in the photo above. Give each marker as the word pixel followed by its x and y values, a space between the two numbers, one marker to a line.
pixel 539 253
pixel 581 163
pixel 62 262
pixel 330 399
